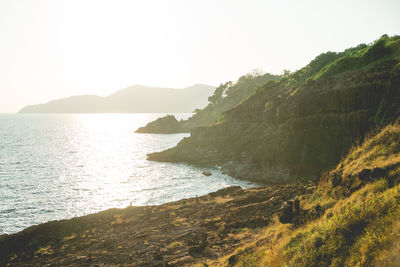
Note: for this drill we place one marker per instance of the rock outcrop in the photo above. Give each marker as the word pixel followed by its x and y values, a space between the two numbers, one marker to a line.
pixel 165 125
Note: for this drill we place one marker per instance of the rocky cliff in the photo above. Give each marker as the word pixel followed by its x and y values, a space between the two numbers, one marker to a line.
pixel 303 124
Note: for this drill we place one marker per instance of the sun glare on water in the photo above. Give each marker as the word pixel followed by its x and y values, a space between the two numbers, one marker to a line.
pixel 66 165
pixel 111 156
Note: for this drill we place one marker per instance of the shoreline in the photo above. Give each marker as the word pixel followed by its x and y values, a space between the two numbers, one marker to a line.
pixel 180 232
pixel 251 184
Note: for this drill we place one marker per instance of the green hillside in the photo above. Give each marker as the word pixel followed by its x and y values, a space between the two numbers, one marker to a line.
pixel 305 123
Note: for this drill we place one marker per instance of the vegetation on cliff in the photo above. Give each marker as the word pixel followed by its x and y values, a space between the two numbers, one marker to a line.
pixel 303 124
pixel 228 95
pixel 224 98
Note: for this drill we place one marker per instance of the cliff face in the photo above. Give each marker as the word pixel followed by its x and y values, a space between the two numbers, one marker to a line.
pixel 298 128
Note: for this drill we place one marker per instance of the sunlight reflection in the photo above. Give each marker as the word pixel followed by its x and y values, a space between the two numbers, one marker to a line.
pixel 69 165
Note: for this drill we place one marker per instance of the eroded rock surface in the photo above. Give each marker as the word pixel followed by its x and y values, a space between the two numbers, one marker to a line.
pixel 177 233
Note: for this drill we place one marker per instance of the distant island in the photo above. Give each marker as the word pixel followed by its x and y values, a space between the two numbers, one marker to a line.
pixel 134 99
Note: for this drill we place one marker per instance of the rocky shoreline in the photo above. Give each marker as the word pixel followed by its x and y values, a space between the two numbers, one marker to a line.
pixel 184 232
pixel 242 168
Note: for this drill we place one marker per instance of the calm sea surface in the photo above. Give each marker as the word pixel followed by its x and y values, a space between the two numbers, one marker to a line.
pixel 61 166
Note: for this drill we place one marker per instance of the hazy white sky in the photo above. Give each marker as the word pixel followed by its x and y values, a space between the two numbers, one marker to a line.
pixel 51 48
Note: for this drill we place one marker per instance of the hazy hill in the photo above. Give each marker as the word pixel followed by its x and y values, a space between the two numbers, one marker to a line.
pixel 134 99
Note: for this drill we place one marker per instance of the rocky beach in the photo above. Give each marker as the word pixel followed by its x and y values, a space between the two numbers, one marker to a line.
pixel 186 232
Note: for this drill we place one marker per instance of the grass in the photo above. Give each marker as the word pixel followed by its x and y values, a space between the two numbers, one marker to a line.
pixel 385 48
pixel 361 228
pixel 221 200
pixel 380 151
pixel 175 244
pixel 358 227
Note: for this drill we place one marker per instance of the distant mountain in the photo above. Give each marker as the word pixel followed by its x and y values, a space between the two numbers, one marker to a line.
pixel 134 99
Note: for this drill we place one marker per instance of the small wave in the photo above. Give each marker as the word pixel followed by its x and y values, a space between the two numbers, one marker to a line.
pixel 46 211
pixel 80 189
pixel 182 178
pixel 151 189
pixel 8 211
pixel 121 199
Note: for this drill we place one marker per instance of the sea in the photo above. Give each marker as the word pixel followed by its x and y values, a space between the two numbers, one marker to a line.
pixel 59 166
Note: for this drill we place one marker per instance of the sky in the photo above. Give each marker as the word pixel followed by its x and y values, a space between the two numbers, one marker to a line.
pixel 51 49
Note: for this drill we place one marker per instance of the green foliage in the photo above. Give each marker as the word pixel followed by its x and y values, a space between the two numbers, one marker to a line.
pixel 332 63
pixel 218 93
pixel 228 95
pixel 268 105
pixel 313 67
pixel 378 117
pixel 355 58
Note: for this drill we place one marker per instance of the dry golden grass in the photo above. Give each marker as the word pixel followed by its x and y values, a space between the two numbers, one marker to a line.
pixel 175 244
pixel 180 221
pixel 221 200
pixel 380 151
pixel 358 230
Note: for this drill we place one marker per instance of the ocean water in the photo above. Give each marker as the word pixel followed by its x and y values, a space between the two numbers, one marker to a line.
pixel 58 166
